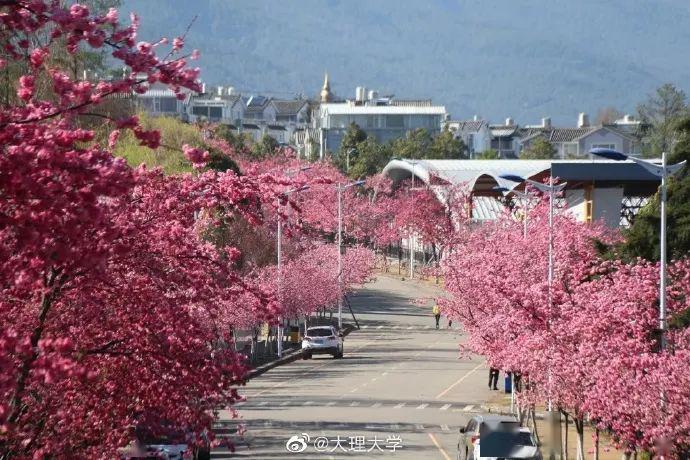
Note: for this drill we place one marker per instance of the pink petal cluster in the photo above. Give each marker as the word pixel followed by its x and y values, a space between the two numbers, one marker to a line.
pixel 594 352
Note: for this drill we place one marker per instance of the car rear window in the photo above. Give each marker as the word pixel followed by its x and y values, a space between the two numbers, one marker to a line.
pixel 320 332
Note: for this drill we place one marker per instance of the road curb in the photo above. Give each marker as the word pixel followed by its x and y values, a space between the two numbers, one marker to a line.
pixel 288 357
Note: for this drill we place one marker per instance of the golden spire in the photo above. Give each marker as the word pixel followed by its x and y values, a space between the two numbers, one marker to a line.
pixel 326 90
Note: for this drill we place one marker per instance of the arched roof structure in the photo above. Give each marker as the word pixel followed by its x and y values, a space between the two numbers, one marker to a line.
pixel 480 176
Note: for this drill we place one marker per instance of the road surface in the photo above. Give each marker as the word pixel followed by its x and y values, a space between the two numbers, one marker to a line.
pixel 402 390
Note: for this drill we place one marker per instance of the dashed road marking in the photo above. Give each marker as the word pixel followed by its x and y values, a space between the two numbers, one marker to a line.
pixel 262 403
pixel 365 326
pixel 354 404
pixel 331 403
pixel 399 406
pixel 422 406
pixel 285 403
pixel 468 408
pixel 379 327
pixel 445 407
pixel 308 403
pixel 375 405
pixel 410 328
pixel 445 428
pixel 419 427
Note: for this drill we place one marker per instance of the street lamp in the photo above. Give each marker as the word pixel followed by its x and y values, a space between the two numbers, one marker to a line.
pixel 551 189
pixel 524 198
pixel 279 250
pixel 342 187
pixel 411 239
pixel 347 166
pixel 662 171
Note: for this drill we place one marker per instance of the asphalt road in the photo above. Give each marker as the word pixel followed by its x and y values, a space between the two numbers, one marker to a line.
pixel 402 390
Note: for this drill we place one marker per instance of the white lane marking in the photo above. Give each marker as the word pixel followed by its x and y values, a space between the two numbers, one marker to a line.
pixel 445 407
pixel 375 405
pixel 459 381
pixel 354 404
pixel 427 327
pixel 308 403
pixel 330 403
pixel 399 406
pixel 353 390
pixel 443 453
pixel 419 427
pixel 285 403
pixel 268 423
pixel 379 327
pixel 370 427
pixel 468 408
pixel 262 403
pixel 374 379
pixel 396 327
pixel 445 428
pixel 384 374
pixel 410 328
pixel 365 326
pixel 422 406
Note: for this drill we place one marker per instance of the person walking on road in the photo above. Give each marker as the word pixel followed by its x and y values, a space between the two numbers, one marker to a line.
pixel 493 378
pixel 437 314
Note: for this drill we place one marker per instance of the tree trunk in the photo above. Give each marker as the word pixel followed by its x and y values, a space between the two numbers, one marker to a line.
pixel 565 436
pixel 16 405
pixel 596 444
pixel 580 428
pixel 533 417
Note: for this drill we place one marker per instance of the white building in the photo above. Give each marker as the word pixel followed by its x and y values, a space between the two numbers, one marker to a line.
pixel 474 133
pixel 384 118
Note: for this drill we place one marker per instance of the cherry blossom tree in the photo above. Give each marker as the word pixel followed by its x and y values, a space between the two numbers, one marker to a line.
pixel 118 313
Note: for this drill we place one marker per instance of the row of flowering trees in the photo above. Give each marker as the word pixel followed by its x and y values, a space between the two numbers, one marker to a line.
pixel 120 287
pixel 594 349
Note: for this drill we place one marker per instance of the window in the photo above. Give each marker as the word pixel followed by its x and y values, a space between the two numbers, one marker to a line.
pixel 168 104
pixel 200 111
pixel 570 150
pixel 215 112
pixel 395 121
pixel 604 146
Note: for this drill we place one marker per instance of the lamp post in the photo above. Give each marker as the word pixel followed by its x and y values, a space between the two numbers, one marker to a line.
pixel 663 171
pixel 347 165
pixel 524 200
pixel 279 251
pixel 342 187
pixel 551 189
pixel 411 239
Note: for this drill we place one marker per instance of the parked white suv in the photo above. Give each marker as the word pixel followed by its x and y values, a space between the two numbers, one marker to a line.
pixel 322 340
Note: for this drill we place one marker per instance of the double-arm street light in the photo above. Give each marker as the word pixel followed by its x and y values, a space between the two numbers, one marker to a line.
pixel 524 199
pixel 662 171
pixel 552 189
pixel 342 187
pixel 279 250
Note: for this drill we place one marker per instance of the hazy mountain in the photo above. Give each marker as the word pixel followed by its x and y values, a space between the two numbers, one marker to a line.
pixel 520 58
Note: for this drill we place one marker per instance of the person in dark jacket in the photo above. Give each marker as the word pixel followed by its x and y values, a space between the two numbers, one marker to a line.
pixel 493 378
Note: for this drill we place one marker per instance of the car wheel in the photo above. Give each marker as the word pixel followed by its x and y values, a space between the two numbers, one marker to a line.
pixel 306 355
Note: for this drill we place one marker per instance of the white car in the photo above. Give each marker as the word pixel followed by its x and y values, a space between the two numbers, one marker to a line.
pixel 491 437
pixel 322 340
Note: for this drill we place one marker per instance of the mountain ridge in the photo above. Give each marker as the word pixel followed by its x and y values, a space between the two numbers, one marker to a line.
pixel 517 58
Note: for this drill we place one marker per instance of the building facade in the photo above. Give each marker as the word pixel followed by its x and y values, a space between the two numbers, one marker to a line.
pixel 383 118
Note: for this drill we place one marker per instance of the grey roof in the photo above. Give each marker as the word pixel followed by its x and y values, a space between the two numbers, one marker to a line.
pixel 555 134
pixel 288 107
pixel 503 130
pixel 470 126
